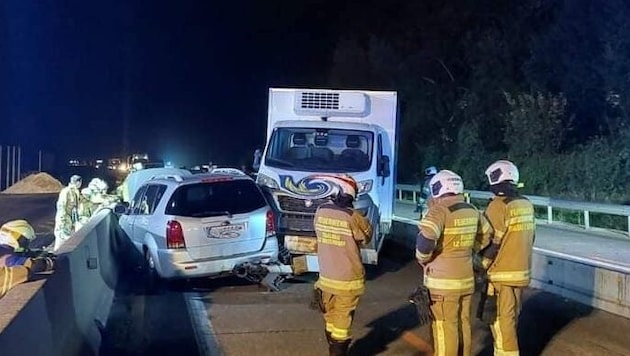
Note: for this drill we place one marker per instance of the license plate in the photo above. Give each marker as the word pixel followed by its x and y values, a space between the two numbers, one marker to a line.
pixel 225 231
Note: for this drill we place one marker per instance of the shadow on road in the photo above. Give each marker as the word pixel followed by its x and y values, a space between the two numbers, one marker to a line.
pixel 543 317
pixel 386 329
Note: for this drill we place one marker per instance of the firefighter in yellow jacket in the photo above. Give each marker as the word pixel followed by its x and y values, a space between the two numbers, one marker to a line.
pixel 508 258
pixel 67 215
pixel 341 231
pixel 14 268
pixel 449 234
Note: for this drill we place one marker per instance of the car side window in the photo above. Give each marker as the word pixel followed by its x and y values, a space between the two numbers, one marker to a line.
pixel 135 203
pixel 159 193
pixel 151 198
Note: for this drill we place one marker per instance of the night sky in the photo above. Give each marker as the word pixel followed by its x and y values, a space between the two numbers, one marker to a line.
pixel 186 81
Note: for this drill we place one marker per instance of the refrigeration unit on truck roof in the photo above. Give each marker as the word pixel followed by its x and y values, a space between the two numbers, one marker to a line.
pixel 331 103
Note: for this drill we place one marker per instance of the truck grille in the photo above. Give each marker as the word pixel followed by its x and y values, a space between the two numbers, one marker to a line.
pixel 302 223
pixel 288 203
pixel 314 100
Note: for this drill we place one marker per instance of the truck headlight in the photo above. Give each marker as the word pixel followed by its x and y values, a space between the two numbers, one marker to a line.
pixel 364 186
pixel 267 181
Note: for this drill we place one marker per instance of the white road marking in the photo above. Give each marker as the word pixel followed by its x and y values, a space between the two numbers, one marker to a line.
pixel 204 333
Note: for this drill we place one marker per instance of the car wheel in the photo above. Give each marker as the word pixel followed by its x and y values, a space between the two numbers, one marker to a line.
pixel 151 277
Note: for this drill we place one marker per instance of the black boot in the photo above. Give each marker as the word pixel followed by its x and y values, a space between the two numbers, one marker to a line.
pixel 338 348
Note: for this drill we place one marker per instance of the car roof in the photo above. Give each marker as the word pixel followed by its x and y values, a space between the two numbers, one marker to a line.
pixel 216 174
pixel 138 178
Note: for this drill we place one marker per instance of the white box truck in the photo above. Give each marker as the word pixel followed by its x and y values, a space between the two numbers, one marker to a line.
pixel 314 132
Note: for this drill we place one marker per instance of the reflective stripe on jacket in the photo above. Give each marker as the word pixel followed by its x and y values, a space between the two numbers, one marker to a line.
pixel 457 228
pixel 514 224
pixel 340 232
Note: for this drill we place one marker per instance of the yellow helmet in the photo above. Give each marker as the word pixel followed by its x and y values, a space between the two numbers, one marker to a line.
pixel 11 232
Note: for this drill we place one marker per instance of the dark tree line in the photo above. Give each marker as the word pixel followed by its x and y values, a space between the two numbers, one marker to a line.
pixel 545 83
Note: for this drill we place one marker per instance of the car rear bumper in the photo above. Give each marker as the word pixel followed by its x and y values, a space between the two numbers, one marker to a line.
pixel 177 264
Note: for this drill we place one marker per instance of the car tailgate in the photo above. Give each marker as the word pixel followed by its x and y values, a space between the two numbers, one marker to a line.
pixel 224 236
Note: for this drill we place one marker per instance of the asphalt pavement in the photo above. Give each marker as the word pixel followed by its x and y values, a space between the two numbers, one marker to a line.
pixel 232 317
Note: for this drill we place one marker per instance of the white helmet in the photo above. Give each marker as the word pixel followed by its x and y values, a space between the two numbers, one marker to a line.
pixel 446 182
pixel 87 192
pixel 98 185
pixel 429 171
pixel 502 171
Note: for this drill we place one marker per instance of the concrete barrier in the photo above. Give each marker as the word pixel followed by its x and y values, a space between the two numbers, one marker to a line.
pixel 62 313
pixel 602 285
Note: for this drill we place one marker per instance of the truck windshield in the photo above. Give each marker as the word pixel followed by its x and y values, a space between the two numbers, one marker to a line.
pixel 323 150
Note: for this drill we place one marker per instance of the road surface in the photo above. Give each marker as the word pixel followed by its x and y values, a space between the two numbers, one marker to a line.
pixel 242 319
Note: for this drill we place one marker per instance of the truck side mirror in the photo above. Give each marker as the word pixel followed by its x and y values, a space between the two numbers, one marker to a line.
pixel 257 157
pixel 383 169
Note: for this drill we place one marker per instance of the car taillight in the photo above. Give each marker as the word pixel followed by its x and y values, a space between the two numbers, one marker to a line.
pixel 270 226
pixel 174 235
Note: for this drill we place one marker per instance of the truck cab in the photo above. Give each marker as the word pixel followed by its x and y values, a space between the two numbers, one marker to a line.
pixel 314 133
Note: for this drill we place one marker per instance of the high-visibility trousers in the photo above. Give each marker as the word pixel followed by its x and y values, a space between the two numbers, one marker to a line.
pixel 504 326
pixel 338 314
pixel 11 277
pixel 451 325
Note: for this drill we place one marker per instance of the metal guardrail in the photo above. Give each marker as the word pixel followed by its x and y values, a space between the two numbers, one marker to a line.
pixel 550 203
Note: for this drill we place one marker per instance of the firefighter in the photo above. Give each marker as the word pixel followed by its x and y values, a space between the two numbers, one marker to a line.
pixel 99 197
pixel 449 234
pixel 425 194
pixel 67 215
pixel 16 269
pixel 86 206
pixel 341 231
pixel 507 259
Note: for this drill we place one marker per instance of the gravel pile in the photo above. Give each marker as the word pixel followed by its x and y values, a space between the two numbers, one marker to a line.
pixel 38 183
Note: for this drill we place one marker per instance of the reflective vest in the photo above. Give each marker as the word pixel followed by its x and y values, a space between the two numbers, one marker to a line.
pixel 340 232
pixel 514 224
pixel 458 228
pixel 68 205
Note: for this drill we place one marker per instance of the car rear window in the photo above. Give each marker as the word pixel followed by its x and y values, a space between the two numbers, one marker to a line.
pixel 216 198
